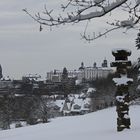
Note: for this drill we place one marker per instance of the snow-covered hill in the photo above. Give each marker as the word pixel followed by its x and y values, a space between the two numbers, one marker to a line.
pixel 100 125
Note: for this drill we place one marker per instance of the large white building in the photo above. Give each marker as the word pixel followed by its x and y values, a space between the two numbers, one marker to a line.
pixel 84 73
pixel 91 73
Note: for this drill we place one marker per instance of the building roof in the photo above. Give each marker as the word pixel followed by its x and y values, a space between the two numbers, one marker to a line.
pixel 79 104
pixel 60 103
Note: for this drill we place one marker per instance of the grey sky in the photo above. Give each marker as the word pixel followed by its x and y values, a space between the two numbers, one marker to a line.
pixel 23 49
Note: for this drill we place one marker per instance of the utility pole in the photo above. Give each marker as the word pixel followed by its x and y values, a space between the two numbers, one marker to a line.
pixel 122 82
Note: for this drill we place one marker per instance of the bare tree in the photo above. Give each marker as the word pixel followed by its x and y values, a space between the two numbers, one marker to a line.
pixel 87 10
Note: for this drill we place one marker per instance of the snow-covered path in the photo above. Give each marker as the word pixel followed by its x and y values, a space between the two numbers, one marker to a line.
pixel 100 125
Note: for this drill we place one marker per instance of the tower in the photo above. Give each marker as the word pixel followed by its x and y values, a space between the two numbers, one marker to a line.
pixel 0 72
pixel 104 64
pixel 95 65
pixel 82 66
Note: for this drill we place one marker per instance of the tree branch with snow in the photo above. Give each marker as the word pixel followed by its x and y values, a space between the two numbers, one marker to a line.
pixel 90 10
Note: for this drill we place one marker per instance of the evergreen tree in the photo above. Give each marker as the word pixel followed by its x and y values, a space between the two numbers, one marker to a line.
pixel 64 74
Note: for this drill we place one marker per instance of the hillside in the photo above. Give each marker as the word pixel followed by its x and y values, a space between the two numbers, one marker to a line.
pixel 100 125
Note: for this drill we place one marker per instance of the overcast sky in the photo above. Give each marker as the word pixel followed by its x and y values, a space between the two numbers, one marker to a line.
pixel 24 50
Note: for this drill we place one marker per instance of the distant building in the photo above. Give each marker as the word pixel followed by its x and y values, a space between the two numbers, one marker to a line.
pixel 74 104
pixel 54 76
pixel 57 76
pixel 83 73
pixel 32 78
pixel 92 73
pixel 6 82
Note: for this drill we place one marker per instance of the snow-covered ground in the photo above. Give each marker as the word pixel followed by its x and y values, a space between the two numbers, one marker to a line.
pixel 100 125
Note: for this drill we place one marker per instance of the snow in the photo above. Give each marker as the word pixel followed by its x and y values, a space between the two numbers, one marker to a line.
pixel 130 23
pixel 81 103
pixel 120 49
pixel 123 80
pixel 7 78
pixel 96 13
pixel 100 125
pixel 138 88
pixel 19 95
pixel 22 123
pixel 78 82
pixel 60 103
pixel 138 77
pixel 91 90
pixel 120 98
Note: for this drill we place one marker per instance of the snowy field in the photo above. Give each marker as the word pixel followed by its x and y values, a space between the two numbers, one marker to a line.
pixel 100 125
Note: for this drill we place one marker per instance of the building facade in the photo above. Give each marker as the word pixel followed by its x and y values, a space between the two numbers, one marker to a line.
pixel 83 73
pixel 56 75
pixel 91 73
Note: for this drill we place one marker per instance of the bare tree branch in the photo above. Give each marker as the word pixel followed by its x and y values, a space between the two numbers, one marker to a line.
pixel 90 10
pixel 94 37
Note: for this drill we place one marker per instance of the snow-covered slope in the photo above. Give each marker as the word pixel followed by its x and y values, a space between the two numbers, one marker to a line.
pixel 100 125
